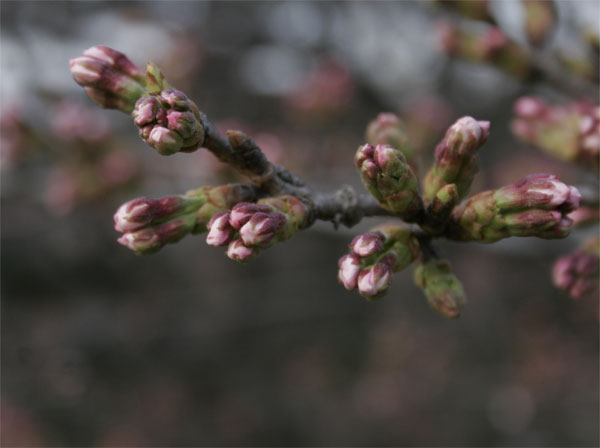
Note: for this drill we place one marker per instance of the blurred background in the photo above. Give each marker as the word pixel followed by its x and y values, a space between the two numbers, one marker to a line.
pixel 187 348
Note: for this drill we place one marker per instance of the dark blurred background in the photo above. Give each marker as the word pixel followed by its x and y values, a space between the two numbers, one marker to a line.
pixel 187 348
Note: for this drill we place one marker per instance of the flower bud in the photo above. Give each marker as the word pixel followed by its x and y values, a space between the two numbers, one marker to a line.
pixel 110 78
pixel 141 212
pixel 375 256
pixel 388 177
pixel 261 228
pixel 237 251
pixel 169 122
pixel 242 212
pixel 388 129
pixel 543 191
pixel 537 205
pixel 443 290
pixel 374 281
pixel 455 160
pixel 151 239
pixel 349 268
pixel 220 232
pixel 367 244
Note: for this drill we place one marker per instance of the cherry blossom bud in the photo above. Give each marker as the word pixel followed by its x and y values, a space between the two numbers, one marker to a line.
pixel 388 177
pixel 141 212
pixel 367 244
pixel 110 78
pixel 388 129
pixel 443 290
pixel 375 256
pixel 456 161
pixel 261 228
pixel 536 205
pixel 374 281
pixel 220 232
pixel 544 191
pixel 349 268
pixel 151 239
pixel 169 122
pixel 242 212
pixel 239 252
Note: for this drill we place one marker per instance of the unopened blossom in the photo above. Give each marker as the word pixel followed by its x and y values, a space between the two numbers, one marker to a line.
pixel 238 251
pixel 387 175
pixel 110 79
pixel 220 232
pixel 150 239
pixel 443 290
pixel 141 212
pixel 374 281
pixel 261 228
pixel 388 129
pixel 241 213
pixel 456 160
pixel 249 228
pixel 374 256
pixel 349 268
pixel 169 122
pixel 367 243
pixel 148 224
pixel 536 205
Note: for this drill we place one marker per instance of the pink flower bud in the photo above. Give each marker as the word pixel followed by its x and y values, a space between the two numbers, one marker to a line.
pixel 140 212
pixel 375 280
pixel 367 244
pixel 349 268
pixel 243 211
pixel 539 191
pixel 220 231
pixel 261 228
pixel 165 141
pixel 110 78
pixel 169 122
pixel 238 251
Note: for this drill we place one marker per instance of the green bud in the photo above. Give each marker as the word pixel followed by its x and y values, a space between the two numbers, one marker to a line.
pixel 443 290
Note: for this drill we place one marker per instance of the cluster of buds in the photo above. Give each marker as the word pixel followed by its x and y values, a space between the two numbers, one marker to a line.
pixel 536 205
pixel 249 228
pixel 169 122
pixel 577 274
pixel 443 290
pixel 148 224
pixel 570 132
pixel 388 129
pixel 110 79
pixel 387 175
pixel 374 256
pixel 487 44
